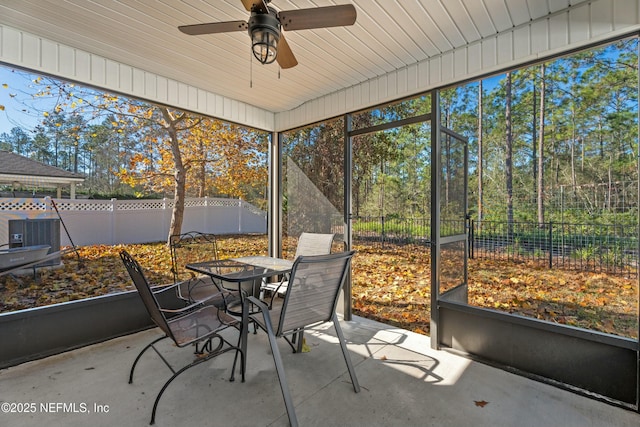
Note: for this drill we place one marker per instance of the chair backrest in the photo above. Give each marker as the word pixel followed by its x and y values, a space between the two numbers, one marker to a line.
pixel 142 285
pixel 314 287
pixel 190 247
pixel 314 244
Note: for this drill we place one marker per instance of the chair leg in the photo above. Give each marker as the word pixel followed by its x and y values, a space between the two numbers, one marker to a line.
pixel 150 345
pixel 275 352
pixel 286 394
pixel 244 331
pixel 242 364
pixel 345 353
pixel 241 348
pixel 296 341
pixel 178 372
pixel 166 384
pixel 300 337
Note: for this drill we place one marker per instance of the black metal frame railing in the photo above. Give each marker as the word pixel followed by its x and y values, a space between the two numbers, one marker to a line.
pixel 611 248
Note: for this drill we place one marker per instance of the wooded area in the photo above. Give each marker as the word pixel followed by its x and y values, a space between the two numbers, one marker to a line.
pixel 558 141
pixel 552 142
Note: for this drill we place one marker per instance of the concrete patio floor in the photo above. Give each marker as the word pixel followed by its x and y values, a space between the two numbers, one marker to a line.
pixel 404 383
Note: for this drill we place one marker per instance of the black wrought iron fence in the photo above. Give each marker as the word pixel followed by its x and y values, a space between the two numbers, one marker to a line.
pixel 590 247
pixel 609 248
pixel 391 229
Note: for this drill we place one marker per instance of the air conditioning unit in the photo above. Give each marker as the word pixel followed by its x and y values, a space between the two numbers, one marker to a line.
pixel 32 232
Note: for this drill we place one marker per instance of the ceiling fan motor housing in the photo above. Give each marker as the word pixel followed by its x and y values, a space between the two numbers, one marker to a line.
pixel 265 23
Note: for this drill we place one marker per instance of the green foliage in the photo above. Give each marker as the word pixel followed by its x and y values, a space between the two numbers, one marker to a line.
pixel 585 253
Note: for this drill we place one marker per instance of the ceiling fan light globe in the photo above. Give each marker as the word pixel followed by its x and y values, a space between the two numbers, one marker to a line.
pixel 264 29
pixel 264 43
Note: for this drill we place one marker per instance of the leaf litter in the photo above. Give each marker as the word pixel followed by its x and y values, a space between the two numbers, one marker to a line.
pixel 390 284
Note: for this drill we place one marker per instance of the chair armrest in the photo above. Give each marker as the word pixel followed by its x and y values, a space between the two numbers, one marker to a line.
pixel 282 283
pixel 257 302
pixel 184 309
pixel 195 304
pixel 275 291
pixel 268 327
pixel 265 312
pixel 164 288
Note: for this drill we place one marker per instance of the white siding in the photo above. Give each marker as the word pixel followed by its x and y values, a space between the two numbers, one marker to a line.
pixel 584 24
pixel 25 50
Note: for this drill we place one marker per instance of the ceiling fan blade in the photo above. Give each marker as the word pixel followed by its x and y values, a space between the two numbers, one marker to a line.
pixel 214 27
pixel 318 17
pixel 285 57
pixel 255 5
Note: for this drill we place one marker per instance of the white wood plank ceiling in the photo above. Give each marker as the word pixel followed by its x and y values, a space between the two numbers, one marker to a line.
pixel 388 36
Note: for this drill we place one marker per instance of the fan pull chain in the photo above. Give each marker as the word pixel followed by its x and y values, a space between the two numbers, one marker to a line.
pixel 250 69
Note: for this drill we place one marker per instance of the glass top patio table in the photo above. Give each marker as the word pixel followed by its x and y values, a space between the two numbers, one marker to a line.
pixel 243 269
pixel 239 271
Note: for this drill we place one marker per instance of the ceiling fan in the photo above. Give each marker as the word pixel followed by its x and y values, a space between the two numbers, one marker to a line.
pixel 265 27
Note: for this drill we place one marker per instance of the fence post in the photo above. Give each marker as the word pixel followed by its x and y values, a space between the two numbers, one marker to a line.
pixel 550 245
pixel 114 223
pixel 205 219
pixel 471 237
pixel 382 231
pixel 166 223
pixel 47 206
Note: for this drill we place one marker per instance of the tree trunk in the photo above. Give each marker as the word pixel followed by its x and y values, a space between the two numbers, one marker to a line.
pixel 541 149
pixel 534 137
pixel 600 139
pixel 609 184
pixel 76 151
pixel 480 156
pixel 202 177
pixel 177 214
pixel 574 182
pixel 508 158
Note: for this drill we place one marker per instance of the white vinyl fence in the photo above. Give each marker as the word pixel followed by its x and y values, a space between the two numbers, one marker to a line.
pixel 91 222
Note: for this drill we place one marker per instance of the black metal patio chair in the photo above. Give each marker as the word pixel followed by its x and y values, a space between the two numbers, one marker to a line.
pixel 192 247
pixel 308 244
pixel 311 298
pixel 197 323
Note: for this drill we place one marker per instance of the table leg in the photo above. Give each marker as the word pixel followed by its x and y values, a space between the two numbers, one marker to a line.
pixel 244 330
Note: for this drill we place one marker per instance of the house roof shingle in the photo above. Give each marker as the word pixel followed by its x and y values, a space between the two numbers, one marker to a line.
pixel 17 165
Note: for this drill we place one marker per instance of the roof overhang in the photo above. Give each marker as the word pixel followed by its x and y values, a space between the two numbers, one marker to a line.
pixel 33 180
